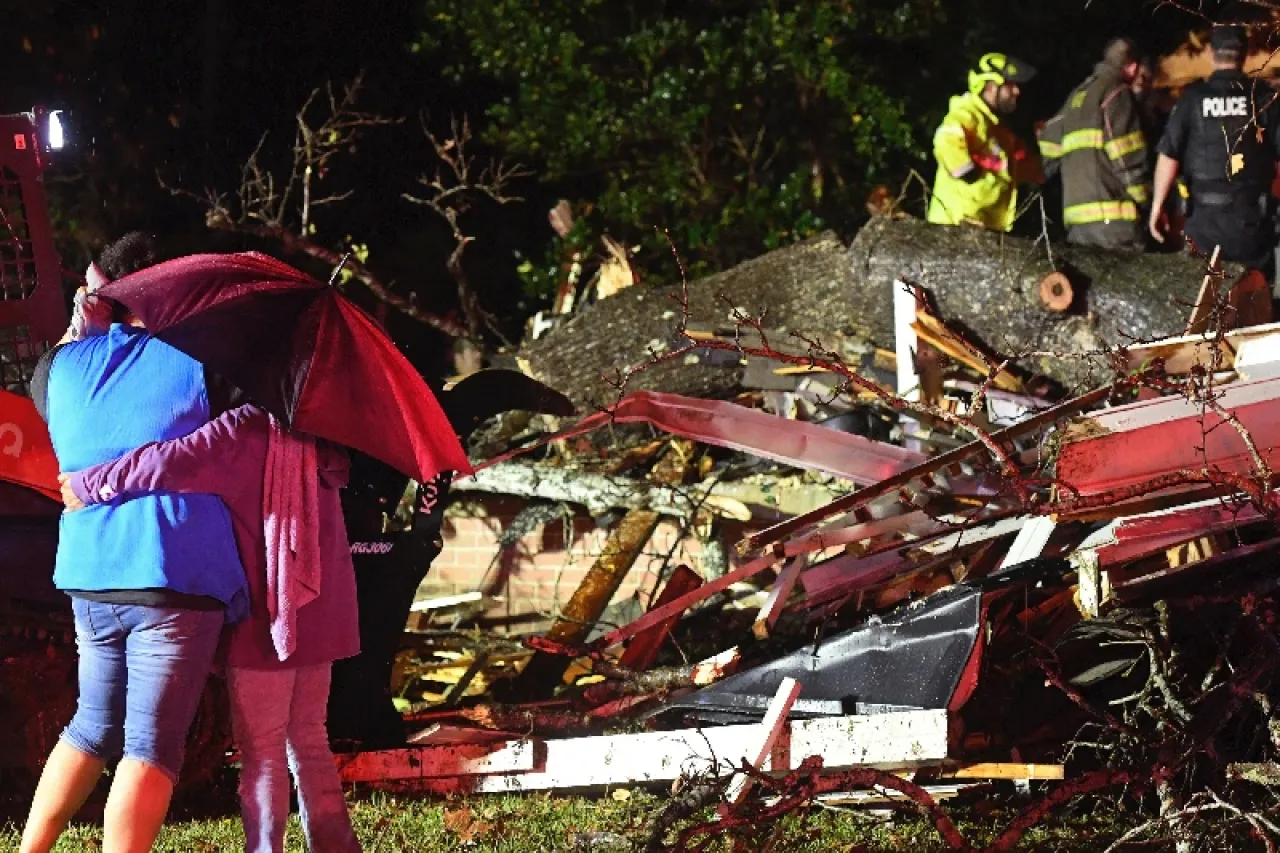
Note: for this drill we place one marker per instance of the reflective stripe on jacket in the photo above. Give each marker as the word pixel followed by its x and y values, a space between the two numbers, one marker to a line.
pixel 971 136
pixel 1098 138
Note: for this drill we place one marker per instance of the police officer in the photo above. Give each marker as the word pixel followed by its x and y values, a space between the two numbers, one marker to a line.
pixel 1223 136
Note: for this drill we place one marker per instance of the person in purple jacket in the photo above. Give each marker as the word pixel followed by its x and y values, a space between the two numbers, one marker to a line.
pixel 301 618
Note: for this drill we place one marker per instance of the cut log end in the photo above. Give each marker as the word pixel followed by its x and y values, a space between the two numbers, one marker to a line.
pixel 1055 292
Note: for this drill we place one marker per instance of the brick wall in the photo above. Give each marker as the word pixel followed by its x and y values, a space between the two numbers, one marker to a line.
pixel 539 574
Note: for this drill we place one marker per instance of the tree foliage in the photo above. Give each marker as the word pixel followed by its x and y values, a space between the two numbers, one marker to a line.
pixel 736 126
pixel 739 125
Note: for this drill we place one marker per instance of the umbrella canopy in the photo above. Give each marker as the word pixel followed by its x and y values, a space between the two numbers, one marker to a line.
pixel 26 453
pixel 299 349
pixel 485 393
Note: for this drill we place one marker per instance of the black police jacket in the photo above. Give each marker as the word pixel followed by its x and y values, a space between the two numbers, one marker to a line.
pixel 1225 133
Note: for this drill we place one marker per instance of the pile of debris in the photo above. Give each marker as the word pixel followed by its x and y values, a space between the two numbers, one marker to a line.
pixel 1009 581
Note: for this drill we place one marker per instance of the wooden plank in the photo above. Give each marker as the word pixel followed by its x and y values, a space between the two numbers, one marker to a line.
pixel 775 720
pixel 428 762
pixel 865 574
pixel 643 649
pixel 446 601
pixel 1090 582
pixel 877 797
pixel 905 341
pixel 1030 542
pixel 935 333
pixel 778 595
pixel 891 741
pixel 836 574
pixel 1141 536
pixel 1207 299
pixel 989 770
pixel 975 533
pixel 441 734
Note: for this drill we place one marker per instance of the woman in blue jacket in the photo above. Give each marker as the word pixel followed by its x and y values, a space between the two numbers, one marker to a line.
pixel 152 579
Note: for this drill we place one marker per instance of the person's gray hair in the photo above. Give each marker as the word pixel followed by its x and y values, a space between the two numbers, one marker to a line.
pixel 1120 52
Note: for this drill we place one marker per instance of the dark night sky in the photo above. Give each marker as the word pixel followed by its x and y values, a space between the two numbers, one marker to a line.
pixel 224 91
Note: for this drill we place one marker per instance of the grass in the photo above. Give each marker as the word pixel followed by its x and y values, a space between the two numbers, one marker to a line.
pixel 543 824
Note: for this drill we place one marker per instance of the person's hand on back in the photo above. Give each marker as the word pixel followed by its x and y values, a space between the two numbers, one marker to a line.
pixel 69 498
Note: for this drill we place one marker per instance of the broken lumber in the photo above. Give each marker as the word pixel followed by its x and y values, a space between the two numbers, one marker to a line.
pixel 779 592
pixel 1206 299
pixel 863 497
pixel 643 684
pixel 1211 351
pixel 1030 542
pixel 425 762
pixel 775 720
pixel 989 770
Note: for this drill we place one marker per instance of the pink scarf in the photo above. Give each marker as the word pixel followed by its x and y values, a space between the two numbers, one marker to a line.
pixel 291 527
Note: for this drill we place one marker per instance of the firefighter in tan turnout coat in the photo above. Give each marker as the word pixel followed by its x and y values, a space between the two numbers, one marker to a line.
pixel 1097 144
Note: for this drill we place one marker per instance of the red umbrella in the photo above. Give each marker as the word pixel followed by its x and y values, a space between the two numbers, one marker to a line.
pixel 301 350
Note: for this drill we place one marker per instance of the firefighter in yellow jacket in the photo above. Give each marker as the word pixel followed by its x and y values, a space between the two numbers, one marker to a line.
pixel 980 161
pixel 1098 144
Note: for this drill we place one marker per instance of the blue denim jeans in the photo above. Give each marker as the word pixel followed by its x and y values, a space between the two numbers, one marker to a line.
pixel 278 720
pixel 162 656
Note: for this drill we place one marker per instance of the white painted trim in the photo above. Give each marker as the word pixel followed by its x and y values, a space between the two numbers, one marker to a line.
pixel 1030 541
pixel 891 741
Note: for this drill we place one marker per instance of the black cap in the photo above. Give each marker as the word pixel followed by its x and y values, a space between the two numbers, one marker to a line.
pixel 1228 39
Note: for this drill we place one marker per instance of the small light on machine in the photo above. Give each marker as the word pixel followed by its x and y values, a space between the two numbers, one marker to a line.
pixel 48 130
pixel 56 137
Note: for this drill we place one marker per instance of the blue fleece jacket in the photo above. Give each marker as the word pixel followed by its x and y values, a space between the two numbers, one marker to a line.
pixel 106 396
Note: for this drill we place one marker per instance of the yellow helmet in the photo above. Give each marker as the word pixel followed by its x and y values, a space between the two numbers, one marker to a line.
pixel 999 68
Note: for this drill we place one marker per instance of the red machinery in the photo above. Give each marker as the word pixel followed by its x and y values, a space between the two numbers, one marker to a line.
pixel 32 309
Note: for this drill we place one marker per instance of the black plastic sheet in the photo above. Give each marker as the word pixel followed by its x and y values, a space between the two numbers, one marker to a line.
pixel 913 658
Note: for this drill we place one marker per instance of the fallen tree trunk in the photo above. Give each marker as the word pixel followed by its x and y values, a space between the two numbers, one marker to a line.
pixel 806 287
pixel 988 284
pixel 985 283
